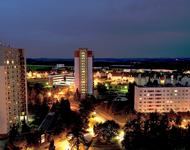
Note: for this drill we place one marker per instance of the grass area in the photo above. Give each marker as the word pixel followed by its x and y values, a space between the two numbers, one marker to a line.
pixel 39 67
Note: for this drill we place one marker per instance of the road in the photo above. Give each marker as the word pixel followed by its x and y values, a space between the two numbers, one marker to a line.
pixel 109 116
pixel 101 115
pixel 121 120
pixel 74 105
pixel 60 144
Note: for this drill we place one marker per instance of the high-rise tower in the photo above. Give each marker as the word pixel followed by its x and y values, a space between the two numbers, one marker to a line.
pixel 13 91
pixel 84 71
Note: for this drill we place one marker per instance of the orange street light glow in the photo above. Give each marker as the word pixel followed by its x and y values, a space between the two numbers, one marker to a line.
pixel 49 94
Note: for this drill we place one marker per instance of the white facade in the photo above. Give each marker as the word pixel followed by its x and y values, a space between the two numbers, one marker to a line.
pixel 57 80
pixel 13 90
pixel 83 71
pixel 90 76
pixel 61 80
pixel 60 66
pixel 77 73
pixel 162 99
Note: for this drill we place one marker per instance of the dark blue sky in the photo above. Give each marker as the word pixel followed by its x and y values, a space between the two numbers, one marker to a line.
pixel 111 28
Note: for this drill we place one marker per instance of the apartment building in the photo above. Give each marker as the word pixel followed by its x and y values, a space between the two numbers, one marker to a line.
pixel 162 99
pixel 84 71
pixel 13 90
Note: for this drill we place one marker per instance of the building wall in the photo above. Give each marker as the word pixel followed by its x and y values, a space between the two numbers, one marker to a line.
pixel 83 71
pixel 61 80
pixel 13 88
pixel 22 86
pixel 90 76
pixel 69 80
pixel 3 106
pixel 162 99
pixel 57 79
pixel 76 73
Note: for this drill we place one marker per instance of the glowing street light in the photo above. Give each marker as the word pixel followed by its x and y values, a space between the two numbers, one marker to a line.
pixel 92 121
pixel 49 94
pixel 55 96
pixel 65 145
pixel 120 136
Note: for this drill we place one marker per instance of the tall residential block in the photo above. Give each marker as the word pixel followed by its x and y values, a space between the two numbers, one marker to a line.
pixel 83 71
pixel 13 90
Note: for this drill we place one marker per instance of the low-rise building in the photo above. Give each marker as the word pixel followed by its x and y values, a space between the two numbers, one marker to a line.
pixel 61 80
pixel 120 77
pixel 57 79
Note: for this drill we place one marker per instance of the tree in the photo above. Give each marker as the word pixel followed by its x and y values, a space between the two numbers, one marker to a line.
pixel 187 137
pixel 145 134
pixel 101 88
pixel 85 108
pixel 77 137
pixel 63 115
pixel 106 131
pixel 65 108
pixel 25 128
pixel 52 146
pixel 13 133
pixel 178 120
pixel 130 95
pixel 40 111
pixel 133 130
pixel 155 83
pixel 176 138
pixel 11 146
pixel 38 86
pixel 33 137
pixel 162 132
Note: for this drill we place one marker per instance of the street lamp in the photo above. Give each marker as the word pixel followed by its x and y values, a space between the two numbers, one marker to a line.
pixel 49 94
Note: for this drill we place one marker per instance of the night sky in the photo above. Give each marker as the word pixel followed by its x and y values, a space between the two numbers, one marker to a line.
pixel 111 28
